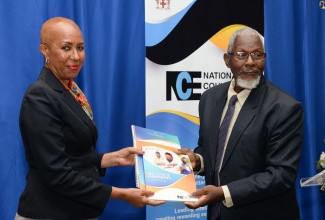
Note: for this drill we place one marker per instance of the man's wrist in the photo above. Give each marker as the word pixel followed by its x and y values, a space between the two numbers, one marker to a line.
pixel 227 200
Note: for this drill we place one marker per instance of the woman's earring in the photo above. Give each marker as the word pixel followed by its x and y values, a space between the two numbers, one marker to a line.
pixel 47 61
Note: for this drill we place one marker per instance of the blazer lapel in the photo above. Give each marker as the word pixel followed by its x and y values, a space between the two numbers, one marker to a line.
pixel 215 117
pixel 75 106
pixel 246 115
pixel 55 84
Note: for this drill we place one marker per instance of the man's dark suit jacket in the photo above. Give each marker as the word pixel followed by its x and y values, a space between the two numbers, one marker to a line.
pixel 63 168
pixel 263 152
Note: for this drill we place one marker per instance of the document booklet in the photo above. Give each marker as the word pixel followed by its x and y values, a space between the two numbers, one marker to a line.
pixel 161 170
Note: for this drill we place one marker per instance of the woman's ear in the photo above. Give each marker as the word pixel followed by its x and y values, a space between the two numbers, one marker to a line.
pixel 43 48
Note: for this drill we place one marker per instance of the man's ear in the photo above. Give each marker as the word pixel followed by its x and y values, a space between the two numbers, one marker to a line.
pixel 226 58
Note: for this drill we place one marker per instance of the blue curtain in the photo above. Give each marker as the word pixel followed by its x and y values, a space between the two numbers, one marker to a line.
pixel 294 40
pixel 113 79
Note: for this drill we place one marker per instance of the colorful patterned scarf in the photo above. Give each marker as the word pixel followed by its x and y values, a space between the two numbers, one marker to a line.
pixel 76 92
pixel 80 97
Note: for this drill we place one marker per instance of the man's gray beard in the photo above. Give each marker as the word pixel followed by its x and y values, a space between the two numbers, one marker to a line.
pixel 248 84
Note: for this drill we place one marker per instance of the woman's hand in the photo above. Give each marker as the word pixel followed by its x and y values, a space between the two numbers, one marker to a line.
pixel 136 197
pixel 123 157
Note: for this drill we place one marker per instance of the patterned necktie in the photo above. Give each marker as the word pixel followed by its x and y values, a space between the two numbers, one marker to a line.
pixel 223 131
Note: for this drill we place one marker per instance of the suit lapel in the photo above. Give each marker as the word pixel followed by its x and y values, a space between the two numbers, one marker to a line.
pixel 55 84
pixel 215 117
pixel 244 118
pixel 246 115
pixel 75 106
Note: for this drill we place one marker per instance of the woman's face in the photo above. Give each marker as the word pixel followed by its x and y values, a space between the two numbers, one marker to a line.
pixel 64 50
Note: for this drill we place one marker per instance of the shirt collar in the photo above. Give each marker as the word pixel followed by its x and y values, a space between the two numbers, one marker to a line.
pixel 242 96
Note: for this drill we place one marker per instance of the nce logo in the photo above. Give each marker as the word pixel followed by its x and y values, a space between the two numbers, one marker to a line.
pixel 182 84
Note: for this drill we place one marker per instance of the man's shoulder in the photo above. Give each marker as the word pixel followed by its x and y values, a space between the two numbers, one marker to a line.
pixel 273 98
pixel 213 94
pixel 277 93
pixel 217 89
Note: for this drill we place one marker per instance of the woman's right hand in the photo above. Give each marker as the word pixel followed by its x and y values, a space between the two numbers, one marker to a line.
pixel 137 197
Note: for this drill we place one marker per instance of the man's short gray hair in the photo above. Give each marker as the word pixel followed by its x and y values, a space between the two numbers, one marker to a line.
pixel 243 31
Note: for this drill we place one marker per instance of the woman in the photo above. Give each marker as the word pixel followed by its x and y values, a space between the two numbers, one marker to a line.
pixel 59 136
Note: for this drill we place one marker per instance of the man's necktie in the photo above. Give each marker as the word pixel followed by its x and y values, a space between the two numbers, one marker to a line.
pixel 223 131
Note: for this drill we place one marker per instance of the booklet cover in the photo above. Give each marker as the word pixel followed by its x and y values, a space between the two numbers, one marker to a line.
pixel 161 170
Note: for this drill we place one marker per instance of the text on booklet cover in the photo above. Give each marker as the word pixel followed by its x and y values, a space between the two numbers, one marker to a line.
pixel 161 170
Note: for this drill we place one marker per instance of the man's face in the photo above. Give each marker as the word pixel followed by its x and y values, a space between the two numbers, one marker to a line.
pixel 248 72
pixel 169 158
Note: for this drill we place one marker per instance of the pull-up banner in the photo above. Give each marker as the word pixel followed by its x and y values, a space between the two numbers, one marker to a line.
pixel 185 43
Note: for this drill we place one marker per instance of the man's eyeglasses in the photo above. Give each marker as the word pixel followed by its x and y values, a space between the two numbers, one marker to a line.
pixel 242 56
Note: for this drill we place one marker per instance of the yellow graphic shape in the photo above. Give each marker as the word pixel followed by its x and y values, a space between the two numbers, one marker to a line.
pixel 189 117
pixel 221 38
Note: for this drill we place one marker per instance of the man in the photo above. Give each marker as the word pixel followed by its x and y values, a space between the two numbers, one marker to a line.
pixel 170 159
pixel 159 161
pixel 171 164
pixel 184 167
pixel 260 156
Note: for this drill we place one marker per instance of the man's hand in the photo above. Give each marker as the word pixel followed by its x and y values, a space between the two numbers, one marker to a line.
pixel 195 160
pixel 206 195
